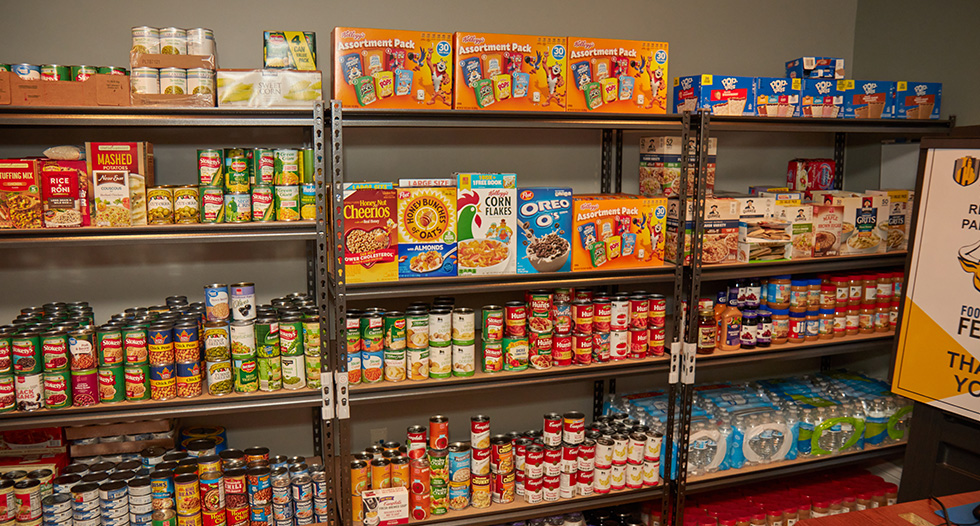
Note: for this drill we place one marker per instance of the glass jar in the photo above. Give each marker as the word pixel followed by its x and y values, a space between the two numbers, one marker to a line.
pixel 812 325
pixel 797 327
pixel 707 329
pixel 853 320
pixel 862 502
pixel 819 508
pixel 855 288
pixel 780 326
pixel 750 328
pixel 882 313
pixel 826 324
pixel 836 506
pixel 799 296
pixel 840 322
pixel 763 337
pixel 866 323
pixel 828 297
pixel 753 294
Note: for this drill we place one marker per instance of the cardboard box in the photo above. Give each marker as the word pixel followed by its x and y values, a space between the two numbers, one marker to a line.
pixel 486 208
pixel 765 239
pixel 385 507
pixel 136 159
pixel 98 90
pixel 614 231
pixel 370 232
pixel 509 72
pixel 807 175
pixel 777 97
pixel 426 232
pixel 867 99
pixel 899 211
pixel 800 216
pixel 918 100
pixel 20 193
pixel 37 441
pixel 660 166
pixel 721 230
pixel 827 227
pixel 268 88
pixel 863 214
pixel 385 68
pixel 64 190
pixel 151 60
pixel 754 207
pixel 815 68
pixel 617 76
pixel 821 99
pixel 289 50
pixel 718 94
pixel 544 233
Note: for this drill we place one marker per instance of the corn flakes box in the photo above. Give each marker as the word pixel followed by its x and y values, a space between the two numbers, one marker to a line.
pixel 615 231
pixel 370 232
pixel 544 230
pixel 821 99
pixel 20 193
pixel 815 68
pixel 660 166
pixel 386 68
pixel 918 100
pixel 867 99
pixel 426 232
pixel 617 76
pixel 718 94
pixel 509 72
pixel 486 208
pixel 777 97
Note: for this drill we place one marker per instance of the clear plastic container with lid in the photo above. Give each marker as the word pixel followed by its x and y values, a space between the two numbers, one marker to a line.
pixel 853 320
pixel 812 325
pixel 870 286
pixel 882 313
pixel 840 321
pixel 797 327
pixel 893 315
pixel 855 288
pixel 799 296
pixel 886 284
pixel 828 296
pixel 866 323
pixel 779 289
pixel 898 281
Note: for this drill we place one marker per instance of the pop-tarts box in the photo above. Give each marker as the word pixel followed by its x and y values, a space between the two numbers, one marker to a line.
pixel 867 99
pixel 617 76
pixel 777 97
pixel 821 99
pixel 815 68
pixel 509 72
pixel 486 205
pixel 918 100
pixel 718 94
pixel 426 231
pixel 544 230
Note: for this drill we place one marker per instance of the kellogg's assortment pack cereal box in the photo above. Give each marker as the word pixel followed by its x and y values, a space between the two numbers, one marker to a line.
pixel 427 230
pixel 820 98
pixel 385 68
pixel 867 99
pixel 509 72
pixel 615 231
pixel 815 68
pixel 777 97
pixel 617 76
pixel 486 205
pixel 918 100
pixel 20 193
pixel 370 232
pixel 544 230
pixel 719 94
pixel 660 166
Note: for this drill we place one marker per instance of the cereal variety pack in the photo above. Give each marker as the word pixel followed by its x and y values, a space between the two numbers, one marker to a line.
pixel 427 229
pixel 370 232
pixel 617 76
pixel 486 218
pixel 615 231
pixel 544 227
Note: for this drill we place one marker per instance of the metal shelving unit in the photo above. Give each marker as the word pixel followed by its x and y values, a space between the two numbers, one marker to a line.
pixel 42 116
pixel 160 234
pixel 801 266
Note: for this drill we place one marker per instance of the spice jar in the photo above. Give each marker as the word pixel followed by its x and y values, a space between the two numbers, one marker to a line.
pixel 780 288
pixel 855 288
pixel 797 327
pixel 780 326
pixel 812 325
pixel 866 323
pixel 828 296
pixel 882 312
pixel 826 324
pixel 849 504
pixel 840 321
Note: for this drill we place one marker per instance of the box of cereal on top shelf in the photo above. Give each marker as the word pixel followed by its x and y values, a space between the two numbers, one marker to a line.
pixel 486 211
pixel 427 228
pixel 370 232
pixel 544 230
pixel 615 231
pixel 616 76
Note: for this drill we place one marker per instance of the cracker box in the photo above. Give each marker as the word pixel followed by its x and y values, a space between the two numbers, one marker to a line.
pixel 385 507
pixel 777 97
pixel 720 235
pixel 918 100
pixel 718 94
pixel 20 193
pixel 821 99
pixel 385 68
pixel 615 231
pixel 370 232
pixel 660 166
pixel 800 216
pixel 827 225
pixel 64 189
pixel 486 211
pixel 544 230
pixel 136 158
pixel 509 72
pixel 867 99
pixel 899 210
pixel 864 215
pixel 766 239
pixel 617 76
pixel 289 50
pixel 427 232
pixel 815 68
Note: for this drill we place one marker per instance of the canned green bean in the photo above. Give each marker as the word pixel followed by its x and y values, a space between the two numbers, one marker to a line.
pixel 287 167
pixel 210 167
pixel 287 203
pixel 265 166
pixel 394 330
pixel 270 373
pixel 263 203
pixel 57 388
pixel 26 351
pixel 55 72
pixel 8 397
pixel 236 171
pixel 293 372
pixel 212 205
pixel 309 165
pixel 311 335
pixel 291 336
pixel 246 375
pixel 112 384
pixel 313 372
pixel 137 378
pixel 266 337
pixel 220 378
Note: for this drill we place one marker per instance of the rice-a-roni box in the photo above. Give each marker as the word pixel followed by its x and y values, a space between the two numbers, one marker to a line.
pixel 867 99
pixel 370 232
pixel 918 100
pixel 509 72
pixel 426 231
pixel 486 208
pixel 544 230
pixel 820 98
pixel 616 231
pixel 718 94
pixel 777 97
pixel 617 76
pixel 387 68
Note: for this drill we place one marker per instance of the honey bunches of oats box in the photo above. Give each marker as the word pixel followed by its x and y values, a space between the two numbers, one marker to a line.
pixel 544 230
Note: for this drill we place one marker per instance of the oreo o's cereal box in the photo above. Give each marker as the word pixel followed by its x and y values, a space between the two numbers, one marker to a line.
pixel 544 230
pixel 777 97
pixel 867 99
pixel 718 94
pixel 617 76
pixel 918 100
pixel 486 214
pixel 815 68
pixel 509 72
pixel 821 99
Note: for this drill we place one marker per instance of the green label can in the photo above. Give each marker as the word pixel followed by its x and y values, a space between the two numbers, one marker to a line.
pixel 210 168
pixel 6 363
pixel 515 354
pixel 265 166
pixel 287 167
pixel 212 205
pixel 55 72
pixel 112 384
pixel 263 203
pixel 291 336
pixel 372 332
pixel 82 73
pixel 137 379
pixel 394 331
pixel 57 388
pixel 440 361
pixel 236 171
pixel 5 67
pixel 287 203
pixel 112 70
pixel 270 374
pixel 54 350
pixel 313 372
pixel 293 372
pixel 238 208
pixel 309 165
pixel 267 337
pixel 217 341
pixel 311 335
pixel 221 378
pixel 440 497
pixel 307 201
pixel 135 344
pixel 8 395
pixel 25 348
pixel 246 375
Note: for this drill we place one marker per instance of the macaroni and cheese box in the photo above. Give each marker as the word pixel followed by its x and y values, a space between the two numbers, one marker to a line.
pixel 827 226
pixel 135 158
pixel 486 218
pixel 385 68
pixel 20 193
pixel 900 208
pixel 614 231
pixel 617 76
pixel 800 217
pixel 426 232
pixel 865 222
pixel 660 166
pixel 509 72
pixel 370 232
pixel 720 230
pixel 820 98
pixel 777 97
pixel 64 188
pixel 815 68
pixel 718 94
pixel 918 100
pixel 867 99
pixel 544 230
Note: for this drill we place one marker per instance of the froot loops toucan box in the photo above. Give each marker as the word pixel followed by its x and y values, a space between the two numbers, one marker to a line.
pixel 509 72
pixel 617 76
pixel 385 68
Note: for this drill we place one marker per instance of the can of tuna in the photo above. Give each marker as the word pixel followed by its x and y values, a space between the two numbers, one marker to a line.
pixel 173 81
pixel 200 81
pixel 217 341
pixel 212 205
pixel 113 494
pixel 164 518
pixel 238 207
pixel 293 372
pixel 57 389
pixel 263 203
pixel 146 40
pixel 270 373
pixel 287 202
pixel 60 485
pixel 286 167
pixel 54 505
pixel 173 41
pixel 29 391
pixel 140 488
pixel 26 351
pixel 145 81
pixel 27 71
pixel 210 168
pixel 84 388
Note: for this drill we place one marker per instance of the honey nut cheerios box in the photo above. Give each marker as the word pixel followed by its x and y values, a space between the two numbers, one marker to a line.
pixel 617 76
pixel 544 230
pixel 387 68
pixel 509 72
pixel 486 207
pixel 427 229
pixel 616 231
pixel 370 232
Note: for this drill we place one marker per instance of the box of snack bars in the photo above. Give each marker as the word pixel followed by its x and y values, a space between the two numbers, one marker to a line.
pixel 660 166
pixel 864 217
pixel 764 239
pixel 509 72
pixel 867 99
pixel 20 193
pixel 718 94
pixel 777 97
pixel 918 100
pixel 617 76
pixel 136 158
pixel 544 230
pixel 486 217
pixel 370 232
pixel 827 226
pixel 815 68
pixel 899 209
pixel 386 68
pixel 64 189
pixel 821 99
pixel 615 231
pixel 427 230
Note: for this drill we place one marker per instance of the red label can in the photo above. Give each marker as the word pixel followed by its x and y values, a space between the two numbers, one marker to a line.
pixel 551 434
pixel 600 347
pixel 565 295
pixel 561 313
pixel 602 317
pixel 419 506
pixel 569 458
pixel 520 452
pixel 534 456
pixel 639 311
pixel 480 461
pixel 619 345
pixel 582 294
pixel 480 432
pixel 504 487
pixel 551 482
pixel 619 318
pixel 515 319
pixel 586 455
pixel 585 478
pixel 656 341
pixel 493 323
pixel 417 442
pixel 573 427
pixel 501 454
pixel 583 313
pixel 438 432
pixel 561 350
pixel 533 485
pixel 582 348
pixel 418 473
pixel 639 341
pixel 658 311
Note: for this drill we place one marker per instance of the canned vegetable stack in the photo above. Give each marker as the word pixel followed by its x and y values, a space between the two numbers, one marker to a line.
pixel 170 80
pixel 57 72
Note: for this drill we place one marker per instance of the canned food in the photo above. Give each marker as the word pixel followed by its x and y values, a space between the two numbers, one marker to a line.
pixel 416 330
pixel 160 205
pixel 54 349
pixel 26 351
pixel 286 167
pixel 146 40
pixel 246 376
pixel 493 359
pixel 583 313
pixel 501 454
pixel 173 41
pixel 135 346
pixel 459 463
pixel 217 341
pixel 238 208
pixel 57 389
pixel 561 313
pixel 29 392
pixel 480 431
pixel 515 354
pixel 82 73
pixel 212 205
pixel 263 203
pixel 307 201
pixel 638 343
pixel 145 81
pixel 287 199
pixel 216 300
pixel 220 377
pixel 163 383
pixel 200 41
pixel 27 71
pixel 55 72
pixel 173 81
pixel 380 473
pixel 639 310
pixel 515 319
pixel 493 323
pixel 242 303
pixel 210 167
pixel 463 325
pixel 440 361
pixel 200 81
pixel 186 205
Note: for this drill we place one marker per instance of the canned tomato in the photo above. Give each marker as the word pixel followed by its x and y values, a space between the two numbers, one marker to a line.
pixel 561 314
pixel 582 348
pixel 160 344
pixel 515 319
pixel 515 354
pixel 538 303
pixel 29 391
pixel 438 432
pixel 619 313
pixel 658 311
pixel 619 345
pixel 57 389
pixel 419 475
pixel 287 202
pixel 286 167
pixel 26 350
pixel 160 205
pixel 583 313
pixel 463 325
pixel 493 323
pixel 137 382
pixel 417 441
pixel 238 208
pixel 562 354
pixel 8 395
pixel 84 388
pixel 602 317
pixel 186 205
pixel 135 346
pixel 656 339
pixel 639 310
pixel 212 205
pixel 210 168
pixel 639 342
pixel 263 203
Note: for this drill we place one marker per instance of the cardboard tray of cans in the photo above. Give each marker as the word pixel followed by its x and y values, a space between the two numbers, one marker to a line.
pixel 149 60
pixel 98 90
pixel 111 448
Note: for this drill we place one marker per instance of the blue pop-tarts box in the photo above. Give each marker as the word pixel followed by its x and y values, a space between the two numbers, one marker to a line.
pixel 820 98
pixel 718 94
pixel 918 100
pixel 544 230
pixel 815 68
pixel 867 99
pixel 777 96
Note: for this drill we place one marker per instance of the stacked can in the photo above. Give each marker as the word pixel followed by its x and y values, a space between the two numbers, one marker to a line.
pixel 416 343
pixel 572 437
pixel 321 491
pixel 236 494
pixel 114 503
pixel 440 342
pixel 287 177
pixel 464 342
pixel 492 343
pixel 28 367
pixel 85 504
pixel 459 475
pixel 307 203
pixel 259 486
pixel 136 354
pixel 438 456
pixel 267 349
pixel 301 491
pixel 140 501
pixel 162 488
pixel 57 376
pixel 291 349
pixel 480 476
pixel 552 462
pixel 55 510
pixel 546 318
pixel 371 331
pixel 353 337
pixel 112 359
pixel 282 507
pixel 395 346
pixel 211 178
pixel 503 485
pixel 237 196
pixel 311 346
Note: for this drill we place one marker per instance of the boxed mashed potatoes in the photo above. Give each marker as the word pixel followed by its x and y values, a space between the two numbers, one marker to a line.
pixel 486 218
pixel 614 231
pixel 544 230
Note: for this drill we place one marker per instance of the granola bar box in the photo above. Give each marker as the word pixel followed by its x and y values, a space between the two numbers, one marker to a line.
pixel 918 100
pixel 615 231
pixel 486 217
pixel 20 193
pixel 617 76
pixel 544 230
pixel 427 229
pixel 718 94
pixel 370 232
pixel 867 99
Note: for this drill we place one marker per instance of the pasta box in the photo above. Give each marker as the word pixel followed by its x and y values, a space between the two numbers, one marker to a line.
pixel 660 166
pixel 820 98
pixel 64 189
pixel 385 507
pixel 615 231
pixel 827 226
pixel 544 230
pixel 426 232
pixel 864 217
pixel 777 97
pixel 20 193
pixel 918 100
pixel 867 99
pixel 486 208
pixel 370 232
pixel 718 94
pixel 617 76
pixel 815 68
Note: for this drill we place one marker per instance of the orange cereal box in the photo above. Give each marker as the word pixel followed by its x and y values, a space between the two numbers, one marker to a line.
pixel 617 76
pixel 615 231
pixel 387 68
pixel 509 72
